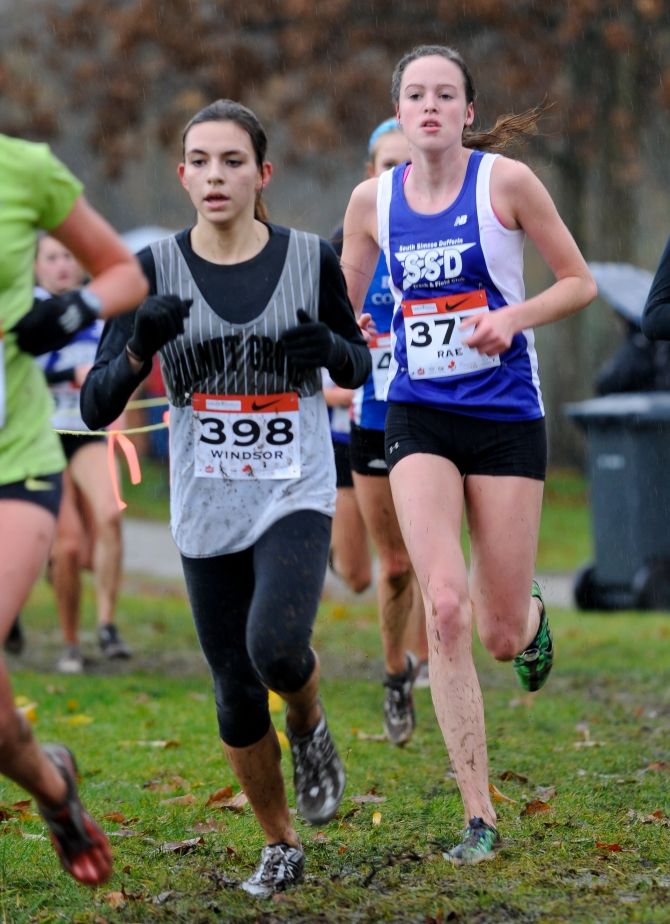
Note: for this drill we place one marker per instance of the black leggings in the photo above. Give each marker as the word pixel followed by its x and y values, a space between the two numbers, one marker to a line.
pixel 254 611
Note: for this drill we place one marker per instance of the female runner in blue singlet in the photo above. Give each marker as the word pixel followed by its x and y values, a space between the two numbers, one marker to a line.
pixel 465 426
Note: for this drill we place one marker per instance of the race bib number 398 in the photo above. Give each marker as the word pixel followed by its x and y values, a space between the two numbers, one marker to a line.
pixel 435 348
pixel 244 436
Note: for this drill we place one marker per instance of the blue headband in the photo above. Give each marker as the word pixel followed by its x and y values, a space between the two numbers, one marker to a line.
pixel 389 125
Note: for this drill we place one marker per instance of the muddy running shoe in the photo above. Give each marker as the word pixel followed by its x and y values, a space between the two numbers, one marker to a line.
pixel 318 774
pixel 74 834
pixel 281 866
pixel 399 718
pixel 480 842
pixel 533 665
pixel 16 640
pixel 111 643
pixel 71 661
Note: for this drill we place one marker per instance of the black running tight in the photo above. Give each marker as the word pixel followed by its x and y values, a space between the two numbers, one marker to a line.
pixel 254 611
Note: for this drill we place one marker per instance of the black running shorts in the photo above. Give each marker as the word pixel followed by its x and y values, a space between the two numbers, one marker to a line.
pixel 476 445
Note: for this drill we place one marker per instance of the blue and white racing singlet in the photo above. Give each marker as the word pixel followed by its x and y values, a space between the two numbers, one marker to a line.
pixel 369 405
pixel 444 268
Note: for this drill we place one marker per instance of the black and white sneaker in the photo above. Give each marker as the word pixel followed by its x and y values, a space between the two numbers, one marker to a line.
pixel 111 643
pixel 399 718
pixel 318 774
pixel 281 866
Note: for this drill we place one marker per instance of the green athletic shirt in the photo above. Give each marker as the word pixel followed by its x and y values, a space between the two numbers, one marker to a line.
pixel 36 192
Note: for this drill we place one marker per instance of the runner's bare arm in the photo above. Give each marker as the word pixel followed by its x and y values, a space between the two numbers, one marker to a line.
pixel 360 250
pixel 118 279
pixel 520 200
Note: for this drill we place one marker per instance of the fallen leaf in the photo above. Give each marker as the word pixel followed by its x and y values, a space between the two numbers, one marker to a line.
pixel 545 793
pixel 283 740
pixel 235 804
pixel 339 611
pixel 651 818
pixel 188 799
pixel 364 736
pixel 376 819
pixel 497 796
pixel 158 744
pixel 182 846
pixel 221 795
pixel 512 775
pixel 368 797
pixel 117 817
pixel 275 702
pixel 535 807
pixel 163 897
pixel 321 838
pixel 214 826
pixel 77 720
pixel 659 766
pixel 115 899
pixel 341 850
pixel 168 784
pixel 28 710
pixel 613 848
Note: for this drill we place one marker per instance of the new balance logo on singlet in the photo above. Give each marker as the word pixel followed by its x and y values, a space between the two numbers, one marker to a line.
pixel 460 220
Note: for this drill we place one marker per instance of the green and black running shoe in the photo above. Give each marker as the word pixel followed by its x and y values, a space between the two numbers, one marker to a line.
pixel 480 842
pixel 533 665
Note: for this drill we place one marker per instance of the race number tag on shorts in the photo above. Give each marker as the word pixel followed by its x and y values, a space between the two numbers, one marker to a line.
pixel 380 351
pixel 2 381
pixel 245 436
pixel 435 347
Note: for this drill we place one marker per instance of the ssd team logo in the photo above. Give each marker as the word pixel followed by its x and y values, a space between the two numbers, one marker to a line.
pixel 431 263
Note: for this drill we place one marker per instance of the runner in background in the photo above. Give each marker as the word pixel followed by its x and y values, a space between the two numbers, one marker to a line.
pixel 465 426
pixel 400 607
pixel 38 192
pixel 88 529
pixel 349 556
pixel 252 477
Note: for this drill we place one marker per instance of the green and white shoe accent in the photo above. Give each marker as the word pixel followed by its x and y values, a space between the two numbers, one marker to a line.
pixel 480 842
pixel 533 665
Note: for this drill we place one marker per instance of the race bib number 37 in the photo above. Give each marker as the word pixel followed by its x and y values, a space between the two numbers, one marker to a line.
pixel 244 436
pixel 435 348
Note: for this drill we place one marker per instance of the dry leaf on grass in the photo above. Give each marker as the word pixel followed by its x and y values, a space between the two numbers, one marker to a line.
pixel 535 807
pixel 364 736
pixel 221 795
pixel 182 846
pixel 171 743
pixel 167 784
pixel 236 803
pixel 115 899
pixel 507 775
pixel 376 819
pixel 497 796
pixel 368 797
pixel 188 799
pixel 612 848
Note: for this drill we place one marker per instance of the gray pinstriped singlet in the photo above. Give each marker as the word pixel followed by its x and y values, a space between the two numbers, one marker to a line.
pixel 217 516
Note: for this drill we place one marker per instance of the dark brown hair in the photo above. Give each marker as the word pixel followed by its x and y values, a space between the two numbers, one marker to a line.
pixel 228 110
pixel 509 129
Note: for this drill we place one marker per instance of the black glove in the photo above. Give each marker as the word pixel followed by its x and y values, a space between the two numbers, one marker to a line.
pixel 313 343
pixel 158 320
pixel 52 322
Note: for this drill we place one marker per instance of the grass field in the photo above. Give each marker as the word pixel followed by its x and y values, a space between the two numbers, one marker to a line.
pixel 582 769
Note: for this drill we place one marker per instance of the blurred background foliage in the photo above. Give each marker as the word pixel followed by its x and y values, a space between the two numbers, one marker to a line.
pixel 110 84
